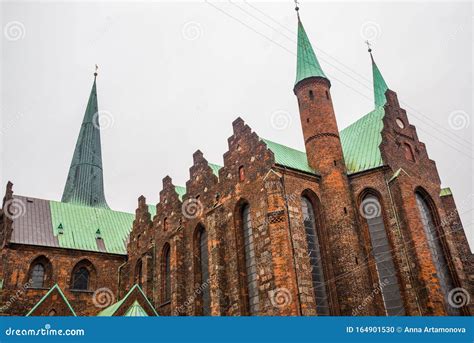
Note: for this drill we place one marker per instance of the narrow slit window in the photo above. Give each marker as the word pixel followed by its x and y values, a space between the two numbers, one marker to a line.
pixel 314 253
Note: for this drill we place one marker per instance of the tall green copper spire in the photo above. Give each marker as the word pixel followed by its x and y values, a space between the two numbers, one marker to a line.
pixel 85 181
pixel 380 86
pixel 307 63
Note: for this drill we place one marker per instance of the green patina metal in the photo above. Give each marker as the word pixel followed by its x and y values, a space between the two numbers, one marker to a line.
pixel 215 168
pixel 181 191
pixel 289 157
pixel 110 311
pixel 307 63
pixel 81 224
pixel 379 84
pixel 445 192
pixel 55 287
pixel 85 182
pixel 360 142
pixel 135 311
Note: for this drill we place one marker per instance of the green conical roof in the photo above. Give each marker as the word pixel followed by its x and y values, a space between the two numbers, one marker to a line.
pixel 380 86
pixel 85 181
pixel 307 63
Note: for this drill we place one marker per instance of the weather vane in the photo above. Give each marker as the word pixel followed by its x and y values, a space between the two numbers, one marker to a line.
pixel 96 68
pixel 296 5
pixel 369 45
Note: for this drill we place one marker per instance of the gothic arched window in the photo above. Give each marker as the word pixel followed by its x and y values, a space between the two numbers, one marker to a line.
pixel 314 253
pixel 166 274
pixel 428 218
pixel 202 264
pixel 250 262
pixel 80 279
pixel 382 253
pixel 37 276
pixel 40 273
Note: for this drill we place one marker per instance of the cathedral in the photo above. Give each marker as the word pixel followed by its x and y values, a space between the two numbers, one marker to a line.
pixel 357 224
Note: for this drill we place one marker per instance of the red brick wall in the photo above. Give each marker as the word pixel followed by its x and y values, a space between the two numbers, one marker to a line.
pixel 17 259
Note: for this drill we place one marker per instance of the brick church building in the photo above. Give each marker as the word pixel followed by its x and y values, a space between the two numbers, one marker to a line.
pixel 357 224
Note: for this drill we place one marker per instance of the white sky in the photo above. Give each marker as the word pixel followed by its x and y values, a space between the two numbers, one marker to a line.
pixel 173 76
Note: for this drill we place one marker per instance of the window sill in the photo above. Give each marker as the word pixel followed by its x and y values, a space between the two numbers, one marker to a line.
pixel 165 303
pixel 81 291
pixel 39 288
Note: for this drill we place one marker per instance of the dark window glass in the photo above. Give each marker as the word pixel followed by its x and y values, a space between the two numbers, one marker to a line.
pixel 314 253
pixel 37 276
pixel 204 265
pixel 250 262
pixel 382 253
pixel 437 253
pixel 81 279
pixel 166 275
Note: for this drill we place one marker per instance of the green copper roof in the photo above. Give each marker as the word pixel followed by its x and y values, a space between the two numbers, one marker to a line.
pixel 215 168
pixel 289 157
pixel 85 184
pixel 55 287
pixel 110 311
pixel 445 192
pixel 360 145
pixel 380 86
pixel 181 191
pixel 136 311
pixel 307 63
pixel 80 225
pixel 360 142
pixel 152 210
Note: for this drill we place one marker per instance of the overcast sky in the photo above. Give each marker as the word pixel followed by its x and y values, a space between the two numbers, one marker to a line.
pixel 173 77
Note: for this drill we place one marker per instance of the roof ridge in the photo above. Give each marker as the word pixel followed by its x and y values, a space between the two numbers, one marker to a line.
pixel 55 286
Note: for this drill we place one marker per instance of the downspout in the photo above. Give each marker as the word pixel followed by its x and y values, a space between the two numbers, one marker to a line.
pixel 291 242
pixel 403 246
pixel 118 277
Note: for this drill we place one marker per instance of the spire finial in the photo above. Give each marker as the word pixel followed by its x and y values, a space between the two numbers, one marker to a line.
pixel 96 68
pixel 369 46
pixel 369 49
pixel 296 6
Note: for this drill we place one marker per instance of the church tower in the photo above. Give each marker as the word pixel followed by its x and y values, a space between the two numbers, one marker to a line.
pixel 325 156
pixel 85 181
